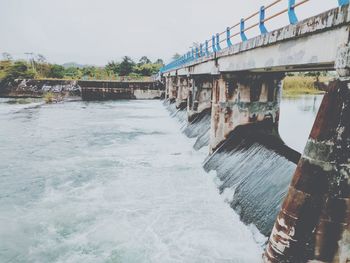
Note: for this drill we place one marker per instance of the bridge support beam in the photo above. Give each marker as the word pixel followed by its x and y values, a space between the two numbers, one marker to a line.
pixel 244 99
pixel 314 222
pixel 183 86
pixel 199 96
pixel 171 88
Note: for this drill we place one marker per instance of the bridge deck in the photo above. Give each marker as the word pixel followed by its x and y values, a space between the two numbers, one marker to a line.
pixel 312 44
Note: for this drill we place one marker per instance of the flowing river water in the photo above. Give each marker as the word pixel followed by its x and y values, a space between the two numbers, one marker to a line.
pixel 117 181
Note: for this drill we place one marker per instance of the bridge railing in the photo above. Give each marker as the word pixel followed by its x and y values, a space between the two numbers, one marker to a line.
pixel 215 43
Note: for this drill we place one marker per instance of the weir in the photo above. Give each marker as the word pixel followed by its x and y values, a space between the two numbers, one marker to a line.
pixel 87 89
pixel 239 88
pixel 108 90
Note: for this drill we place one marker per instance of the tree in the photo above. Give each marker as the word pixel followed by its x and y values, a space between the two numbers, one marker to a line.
pixel 41 65
pixel 7 56
pixel 147 69
pixel 144 60
pixel 72 72
pixel 40 58
pixel 176 56
pixel 159 61
pixel 113 67
pixel 89 71
pixel 126 66
pixel 19 70
pixel 56 71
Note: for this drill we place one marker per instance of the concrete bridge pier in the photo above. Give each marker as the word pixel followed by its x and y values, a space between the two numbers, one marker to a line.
pixel 314 222
pixel 199 96
pixel 171 88
pixel 183 86
pixel 241 99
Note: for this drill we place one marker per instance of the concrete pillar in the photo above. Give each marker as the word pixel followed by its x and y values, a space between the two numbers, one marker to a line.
pixel 244 99
pixel 171 88
pixel 182 92
pixel 199 98
pixel 314 222
pixel 167 84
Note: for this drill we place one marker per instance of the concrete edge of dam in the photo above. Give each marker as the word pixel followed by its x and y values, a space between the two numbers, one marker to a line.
pixel 87 90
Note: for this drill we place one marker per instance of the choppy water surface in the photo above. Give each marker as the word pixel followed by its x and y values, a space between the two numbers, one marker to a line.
pixel 109 182
pixel 116 182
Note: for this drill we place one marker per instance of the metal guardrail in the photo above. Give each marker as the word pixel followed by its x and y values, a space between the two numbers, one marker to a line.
pixel 204 49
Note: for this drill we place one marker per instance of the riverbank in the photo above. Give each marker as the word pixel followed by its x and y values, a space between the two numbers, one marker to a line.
pixel 294 86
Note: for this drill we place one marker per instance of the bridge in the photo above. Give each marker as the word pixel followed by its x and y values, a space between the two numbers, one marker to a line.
pixel 241 84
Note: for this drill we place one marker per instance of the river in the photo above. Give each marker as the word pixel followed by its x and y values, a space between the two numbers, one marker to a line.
pixel 118 182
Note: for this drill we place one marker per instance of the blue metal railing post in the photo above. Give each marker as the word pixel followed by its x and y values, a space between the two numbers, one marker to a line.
pixel 228 37
pixel 343 2
pixel 201 50
pixel 291 12
pixel 213 45
pixel 243 36
pixel 206 48
pixel 262 27
pixel 218 48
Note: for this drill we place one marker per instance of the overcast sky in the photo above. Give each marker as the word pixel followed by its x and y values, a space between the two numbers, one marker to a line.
pixel 96 31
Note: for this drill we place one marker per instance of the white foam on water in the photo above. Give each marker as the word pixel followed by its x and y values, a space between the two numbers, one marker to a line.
pixel 112 182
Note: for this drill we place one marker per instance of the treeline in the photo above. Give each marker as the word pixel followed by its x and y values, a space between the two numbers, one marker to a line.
pixel 39 68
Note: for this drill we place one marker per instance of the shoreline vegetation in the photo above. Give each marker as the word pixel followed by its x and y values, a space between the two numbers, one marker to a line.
pixel 50 97
pixel 39 68
pixel 297 85
pixel 294 84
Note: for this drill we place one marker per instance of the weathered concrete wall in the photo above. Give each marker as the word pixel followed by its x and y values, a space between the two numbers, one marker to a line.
pixel 183 87
pixel 199 99
pixel 243 99
pixel 193 93
pixel 314 222
pixel 36 88
pixel 171 88
pixel 89 90
pixel 109 90
pixel 189 99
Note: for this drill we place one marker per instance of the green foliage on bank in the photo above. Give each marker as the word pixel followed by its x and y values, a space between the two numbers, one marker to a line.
pixel 39 68
pixel 305 83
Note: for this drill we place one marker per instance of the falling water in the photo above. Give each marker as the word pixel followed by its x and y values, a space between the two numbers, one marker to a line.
pixel 254 171
pixel 198 128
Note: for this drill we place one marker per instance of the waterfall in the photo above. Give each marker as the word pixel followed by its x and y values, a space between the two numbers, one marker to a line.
pixel 198 128
pixel 254 166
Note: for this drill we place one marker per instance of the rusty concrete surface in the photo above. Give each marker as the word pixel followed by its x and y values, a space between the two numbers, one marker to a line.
pixel 314 222
pixel 244 99
pixel 109 90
